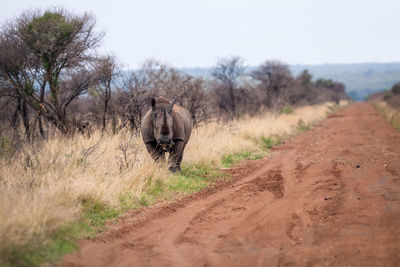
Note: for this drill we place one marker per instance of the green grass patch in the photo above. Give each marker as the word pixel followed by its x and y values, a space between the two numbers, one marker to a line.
pixel 34 255
pixel 265 143
pixel 302 126
pixel 270 142
pixel 190 179
pixel 193 178
pixel 287 110
pixel 230 159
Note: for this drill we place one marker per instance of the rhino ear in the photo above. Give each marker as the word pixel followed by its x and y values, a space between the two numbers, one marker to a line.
pixel 153 102
pixel 171 105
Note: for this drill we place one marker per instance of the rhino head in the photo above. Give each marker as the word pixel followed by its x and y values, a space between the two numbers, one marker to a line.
pixel 162 123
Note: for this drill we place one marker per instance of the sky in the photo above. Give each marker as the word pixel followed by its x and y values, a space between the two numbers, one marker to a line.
pixel 195 33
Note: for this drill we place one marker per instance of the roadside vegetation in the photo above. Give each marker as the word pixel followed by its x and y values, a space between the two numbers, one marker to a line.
pixel 388 104
pixel 390 113
pixel 71 156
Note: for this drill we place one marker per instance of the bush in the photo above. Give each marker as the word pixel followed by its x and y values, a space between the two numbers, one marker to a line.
pixel 396 89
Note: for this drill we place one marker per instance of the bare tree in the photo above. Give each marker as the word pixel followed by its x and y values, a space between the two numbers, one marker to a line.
pixel 106 70
pixel 227 74
pixel 196 100
pixel 75 83
pixel 14 62
pixel 134 93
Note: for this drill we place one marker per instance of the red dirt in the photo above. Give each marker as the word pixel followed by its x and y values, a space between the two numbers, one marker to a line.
pixel 330 196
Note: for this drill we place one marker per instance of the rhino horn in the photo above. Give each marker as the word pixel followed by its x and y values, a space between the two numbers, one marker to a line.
pixel 165 119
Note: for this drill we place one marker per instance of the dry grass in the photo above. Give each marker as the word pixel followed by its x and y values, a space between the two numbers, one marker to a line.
pixel 44 186
pixel 210 143
pixel 390 113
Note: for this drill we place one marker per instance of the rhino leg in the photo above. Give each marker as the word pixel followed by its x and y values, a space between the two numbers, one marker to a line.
pixel 155 152
pixel 175 157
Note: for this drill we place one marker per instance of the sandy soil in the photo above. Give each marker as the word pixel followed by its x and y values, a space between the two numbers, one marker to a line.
pixel 330 196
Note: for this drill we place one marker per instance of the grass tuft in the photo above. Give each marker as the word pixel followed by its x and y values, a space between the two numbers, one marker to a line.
pixel 270 142
pixel 231 159
pixel 302 126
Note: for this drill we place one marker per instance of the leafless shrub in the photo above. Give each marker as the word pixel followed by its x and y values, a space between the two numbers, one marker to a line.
pixel 133 94
pixel 196 100
pixel 226 86
pixel 129 150
pixel 89 152
pixel 106 70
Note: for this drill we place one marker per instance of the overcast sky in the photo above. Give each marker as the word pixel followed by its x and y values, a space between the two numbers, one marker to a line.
pixel 190 33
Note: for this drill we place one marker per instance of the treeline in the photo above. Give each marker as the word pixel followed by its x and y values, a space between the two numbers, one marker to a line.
pixel 53 80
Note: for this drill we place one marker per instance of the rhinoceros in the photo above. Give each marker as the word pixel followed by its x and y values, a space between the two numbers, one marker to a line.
pixel 166 128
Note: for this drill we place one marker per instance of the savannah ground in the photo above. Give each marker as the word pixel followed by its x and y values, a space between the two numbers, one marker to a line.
pixel 55 192
pixel 329 196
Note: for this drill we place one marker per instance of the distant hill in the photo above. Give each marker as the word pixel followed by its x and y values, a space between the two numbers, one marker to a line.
pixel 361 79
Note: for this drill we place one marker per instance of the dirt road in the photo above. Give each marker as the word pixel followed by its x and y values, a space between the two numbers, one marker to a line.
pixel 330 196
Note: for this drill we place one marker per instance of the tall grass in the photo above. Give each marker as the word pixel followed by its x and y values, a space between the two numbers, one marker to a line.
pixel 390 113
pixel 48 185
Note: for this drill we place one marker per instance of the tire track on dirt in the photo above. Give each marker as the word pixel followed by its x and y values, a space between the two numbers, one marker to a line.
pixel 328 196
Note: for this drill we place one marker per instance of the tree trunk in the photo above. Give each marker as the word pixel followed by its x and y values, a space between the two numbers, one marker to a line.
pixel 14 119
pixel 233 104
pixel 105 115
pixel 41 130
pixel 25 118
